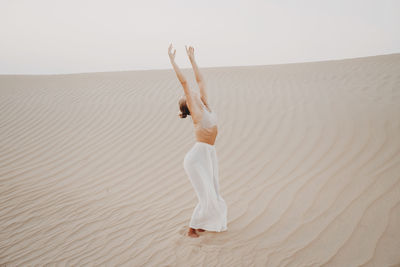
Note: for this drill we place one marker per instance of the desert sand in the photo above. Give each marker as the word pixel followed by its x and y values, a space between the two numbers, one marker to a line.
pixel 91 167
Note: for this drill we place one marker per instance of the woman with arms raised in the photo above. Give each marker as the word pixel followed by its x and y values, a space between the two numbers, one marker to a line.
pixel 200 162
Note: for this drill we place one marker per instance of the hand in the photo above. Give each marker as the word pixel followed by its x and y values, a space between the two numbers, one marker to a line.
pixel 190 52
pixel 170 54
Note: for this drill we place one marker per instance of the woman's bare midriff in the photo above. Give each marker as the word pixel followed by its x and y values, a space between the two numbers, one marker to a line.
pixel 206 135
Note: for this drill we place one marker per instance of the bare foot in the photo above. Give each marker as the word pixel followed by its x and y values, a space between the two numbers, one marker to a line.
pixel 200 230
pixel 192 232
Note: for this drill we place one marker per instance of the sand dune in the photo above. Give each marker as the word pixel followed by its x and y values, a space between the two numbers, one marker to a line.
pixel 309 156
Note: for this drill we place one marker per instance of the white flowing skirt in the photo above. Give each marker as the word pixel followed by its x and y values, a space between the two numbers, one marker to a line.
pixel 201 166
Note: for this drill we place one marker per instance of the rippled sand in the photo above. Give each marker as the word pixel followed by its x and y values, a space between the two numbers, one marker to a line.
pixel 309 161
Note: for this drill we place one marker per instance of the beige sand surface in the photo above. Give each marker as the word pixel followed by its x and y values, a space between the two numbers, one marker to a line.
pixel 91 167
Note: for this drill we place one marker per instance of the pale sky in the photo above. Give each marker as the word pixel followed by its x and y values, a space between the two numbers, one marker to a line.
pixel 73 36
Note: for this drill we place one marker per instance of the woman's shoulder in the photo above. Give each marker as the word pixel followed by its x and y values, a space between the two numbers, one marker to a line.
pixel 195 96
pixel 200 100
pixel 194 92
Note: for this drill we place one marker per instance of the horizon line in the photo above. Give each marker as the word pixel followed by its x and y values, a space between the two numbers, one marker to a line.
pixel 214 67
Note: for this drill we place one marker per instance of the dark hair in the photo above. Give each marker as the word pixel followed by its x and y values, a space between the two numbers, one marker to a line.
pixel 184 110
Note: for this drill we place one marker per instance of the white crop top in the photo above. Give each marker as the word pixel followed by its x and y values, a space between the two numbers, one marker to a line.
pixel 209 119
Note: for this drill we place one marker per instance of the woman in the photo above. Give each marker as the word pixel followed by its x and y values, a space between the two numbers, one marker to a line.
pixel 200 162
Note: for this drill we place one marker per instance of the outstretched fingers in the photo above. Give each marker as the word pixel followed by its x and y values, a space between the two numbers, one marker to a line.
pixel 190 52
pixel 171 55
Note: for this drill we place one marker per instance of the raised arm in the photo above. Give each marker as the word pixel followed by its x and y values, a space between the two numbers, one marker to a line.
pixel 178 72
pixel 199 76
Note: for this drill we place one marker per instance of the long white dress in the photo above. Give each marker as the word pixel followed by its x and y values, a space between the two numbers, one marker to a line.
pixel 201 166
